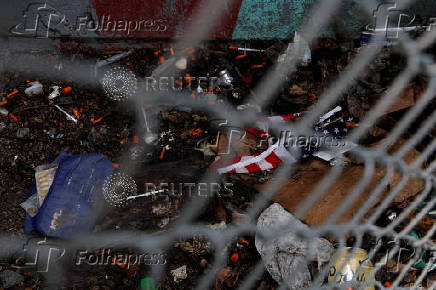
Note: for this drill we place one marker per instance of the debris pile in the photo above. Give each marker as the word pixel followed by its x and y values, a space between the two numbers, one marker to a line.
pixel 154 121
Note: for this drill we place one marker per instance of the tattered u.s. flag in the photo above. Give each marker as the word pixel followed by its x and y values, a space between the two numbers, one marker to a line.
pixel 278 153
pixel 266 160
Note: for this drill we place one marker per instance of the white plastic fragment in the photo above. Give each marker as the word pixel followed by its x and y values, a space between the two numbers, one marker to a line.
pixel 299 48
pixel 55 92
pixel 286 254
pixel 329 114
pixel 333 151
pixel 218 227
pixel 44 176
pixel 69 117
pixel 182 63
pixel 35 89
pixel 179 273
pixel 225 79
pixel 245 49
pixel 3 111
pixel 31 205
pixel 149 137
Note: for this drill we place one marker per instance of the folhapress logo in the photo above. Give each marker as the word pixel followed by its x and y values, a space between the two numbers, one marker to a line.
pixel 41 20
pixel 391 20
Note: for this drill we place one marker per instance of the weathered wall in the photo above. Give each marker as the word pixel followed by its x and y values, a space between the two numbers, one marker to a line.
pixel 244 19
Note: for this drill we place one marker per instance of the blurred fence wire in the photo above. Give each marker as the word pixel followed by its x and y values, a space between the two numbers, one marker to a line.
pixel 363 222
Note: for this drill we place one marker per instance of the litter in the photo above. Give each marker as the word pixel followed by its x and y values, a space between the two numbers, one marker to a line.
pixel 44 176
pixel 14 92
pixel 286 256
pixel 149 137
pixel 67 90
pixel 234 257
pixel 300 49
pixel 232 47
pixel 3 111
pixel 181 63
pixel 76 113
pixel 422 261
pixel 13 117
pixel 96 120
pixel 148 283
pixel 55 92
pixel 35 89
pixel 179 273
pixel 69 207
pixel 350 265
pixel 31 205
pixel 225 80
pixel 69 117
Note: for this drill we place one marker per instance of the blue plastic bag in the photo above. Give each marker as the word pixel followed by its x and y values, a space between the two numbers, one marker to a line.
pixel 71 205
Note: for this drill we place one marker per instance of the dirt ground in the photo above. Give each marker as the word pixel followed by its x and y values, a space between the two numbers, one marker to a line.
pixel 50 133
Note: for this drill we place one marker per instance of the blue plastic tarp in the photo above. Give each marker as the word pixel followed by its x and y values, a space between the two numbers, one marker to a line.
pixel 71 205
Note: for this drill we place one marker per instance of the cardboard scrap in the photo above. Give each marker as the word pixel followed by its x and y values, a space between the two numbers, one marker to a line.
pixel 299 187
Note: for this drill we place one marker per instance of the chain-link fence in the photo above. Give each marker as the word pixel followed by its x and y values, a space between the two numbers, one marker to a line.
pixel 373 204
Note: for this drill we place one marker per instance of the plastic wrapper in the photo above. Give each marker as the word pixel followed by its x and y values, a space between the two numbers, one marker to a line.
pixel 286 256
pixel 44 178
pixel 31 205
pixel 350 265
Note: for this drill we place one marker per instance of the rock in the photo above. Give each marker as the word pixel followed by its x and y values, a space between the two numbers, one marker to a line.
pixel 10 278
pixel 284 256
pixel 179 273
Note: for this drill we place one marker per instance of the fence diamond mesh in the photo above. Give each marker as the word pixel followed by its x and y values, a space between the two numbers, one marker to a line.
pixel 362 225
